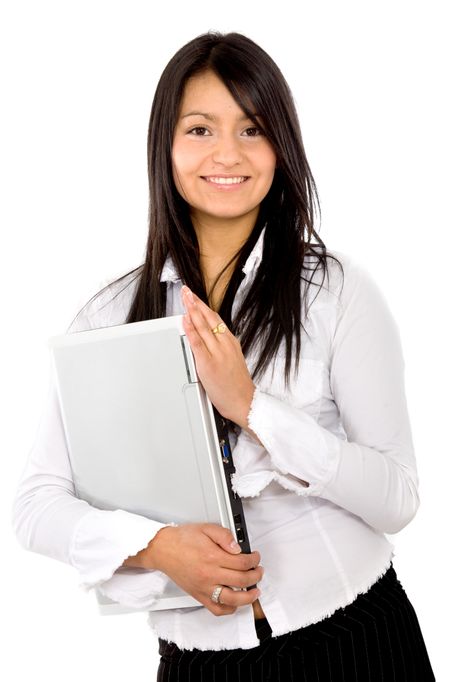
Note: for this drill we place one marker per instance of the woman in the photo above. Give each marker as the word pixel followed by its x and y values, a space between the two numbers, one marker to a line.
pixel 298 350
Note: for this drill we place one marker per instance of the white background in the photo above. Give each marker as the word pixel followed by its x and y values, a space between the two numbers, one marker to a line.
pixel 370 83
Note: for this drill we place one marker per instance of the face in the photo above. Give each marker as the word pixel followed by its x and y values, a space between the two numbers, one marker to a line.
pixel 222 164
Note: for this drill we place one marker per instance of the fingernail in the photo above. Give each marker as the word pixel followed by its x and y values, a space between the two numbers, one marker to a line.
pixel 234 545
pixel 188 293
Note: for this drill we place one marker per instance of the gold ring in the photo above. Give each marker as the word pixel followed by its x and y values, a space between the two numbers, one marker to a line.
pixel 220 329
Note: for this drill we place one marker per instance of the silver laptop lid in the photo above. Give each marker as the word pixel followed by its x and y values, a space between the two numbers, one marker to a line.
pixel 140 429
pixel 138 423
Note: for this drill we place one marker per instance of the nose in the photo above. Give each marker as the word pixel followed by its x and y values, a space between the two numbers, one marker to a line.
pixel 227 151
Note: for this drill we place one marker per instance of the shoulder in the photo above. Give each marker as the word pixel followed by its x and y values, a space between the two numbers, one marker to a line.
pixel 341 278
pixel 110 305
pixel 347 308
pixel 362 311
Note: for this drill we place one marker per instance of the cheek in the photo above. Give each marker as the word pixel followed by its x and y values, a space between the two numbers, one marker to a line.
pixel 270 170
pixel 272 160
pixel 180 168
pixel 268 162
pixel 183 163
pixel 177 177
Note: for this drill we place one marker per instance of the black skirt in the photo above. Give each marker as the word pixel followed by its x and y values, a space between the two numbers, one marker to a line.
pixel 376 638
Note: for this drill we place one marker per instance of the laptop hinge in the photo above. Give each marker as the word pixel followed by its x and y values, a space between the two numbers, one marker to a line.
pixel 189 361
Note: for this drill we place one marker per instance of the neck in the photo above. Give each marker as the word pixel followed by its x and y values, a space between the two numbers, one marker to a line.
pixel 221 236
pixel 219 240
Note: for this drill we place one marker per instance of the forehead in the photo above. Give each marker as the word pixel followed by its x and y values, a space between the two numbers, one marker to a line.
pixel 206 93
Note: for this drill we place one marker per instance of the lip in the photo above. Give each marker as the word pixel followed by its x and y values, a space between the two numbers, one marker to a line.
pixel 225 187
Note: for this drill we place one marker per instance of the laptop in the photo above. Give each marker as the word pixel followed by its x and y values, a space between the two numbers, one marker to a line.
pixel 143 435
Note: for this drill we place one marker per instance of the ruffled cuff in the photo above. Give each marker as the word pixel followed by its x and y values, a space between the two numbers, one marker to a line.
pixel 136 588
pixel 304 456
pixel 104 539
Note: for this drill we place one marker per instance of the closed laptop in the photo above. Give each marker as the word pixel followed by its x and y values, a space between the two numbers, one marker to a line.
pixel 142 434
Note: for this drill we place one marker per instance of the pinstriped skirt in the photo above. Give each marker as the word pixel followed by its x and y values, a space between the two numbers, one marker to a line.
pixel 376 638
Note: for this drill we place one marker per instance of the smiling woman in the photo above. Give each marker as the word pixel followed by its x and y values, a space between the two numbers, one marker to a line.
pixel 223 167
pixel 297 349
pixel 220 151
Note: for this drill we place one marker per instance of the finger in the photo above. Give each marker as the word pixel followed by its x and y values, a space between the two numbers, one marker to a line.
pixel 205 326
pixel 222 537
pixel 196 303
pixel 195 340
pixel 230 597
pixel 220 609
pixel 241 579
pixel 198 331
pixel 242 562
pixel 203 318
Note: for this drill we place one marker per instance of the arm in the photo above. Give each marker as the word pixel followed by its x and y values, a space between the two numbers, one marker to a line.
pixel 128 557
pixel 373 473
pixel 49 519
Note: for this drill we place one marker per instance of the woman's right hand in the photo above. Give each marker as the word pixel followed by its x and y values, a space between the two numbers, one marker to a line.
pixel 200 556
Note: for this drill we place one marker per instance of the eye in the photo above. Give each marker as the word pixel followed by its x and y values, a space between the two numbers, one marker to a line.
pixel 253 131
pixel 198 131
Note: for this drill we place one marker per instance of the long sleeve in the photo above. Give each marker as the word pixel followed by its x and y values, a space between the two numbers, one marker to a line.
pixel 372 473
pixel 49 519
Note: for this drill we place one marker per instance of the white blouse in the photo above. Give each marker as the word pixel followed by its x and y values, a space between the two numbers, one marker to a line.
pixel 343 427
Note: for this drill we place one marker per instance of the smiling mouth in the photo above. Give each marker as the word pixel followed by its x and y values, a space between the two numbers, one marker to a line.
pixel 215 180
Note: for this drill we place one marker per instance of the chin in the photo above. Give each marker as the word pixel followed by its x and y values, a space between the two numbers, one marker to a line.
pixel 226 211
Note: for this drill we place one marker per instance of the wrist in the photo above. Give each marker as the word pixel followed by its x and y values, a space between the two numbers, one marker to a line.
pixel 245 413
pixel 242 410
pixel 153 554
pixel 149 557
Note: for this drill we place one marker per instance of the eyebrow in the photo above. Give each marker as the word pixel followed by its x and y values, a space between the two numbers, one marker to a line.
pixel 211 117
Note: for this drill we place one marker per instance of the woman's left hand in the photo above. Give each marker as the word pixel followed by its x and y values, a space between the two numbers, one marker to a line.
pixel 219 360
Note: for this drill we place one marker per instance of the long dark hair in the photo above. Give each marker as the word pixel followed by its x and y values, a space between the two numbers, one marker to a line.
pixel 273 302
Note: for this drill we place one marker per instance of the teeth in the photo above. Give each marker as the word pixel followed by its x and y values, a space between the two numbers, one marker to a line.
pixel 226 181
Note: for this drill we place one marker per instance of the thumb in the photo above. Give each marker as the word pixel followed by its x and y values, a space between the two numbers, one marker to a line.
pixel 222 537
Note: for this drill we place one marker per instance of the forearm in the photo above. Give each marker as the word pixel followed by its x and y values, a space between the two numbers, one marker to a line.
pixel 375 487
pixel 379 485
